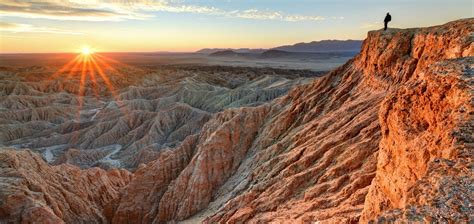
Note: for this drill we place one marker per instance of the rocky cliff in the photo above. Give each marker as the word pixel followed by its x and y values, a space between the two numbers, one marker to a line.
pixel 424 167
pixel 34 192
pixel 385 137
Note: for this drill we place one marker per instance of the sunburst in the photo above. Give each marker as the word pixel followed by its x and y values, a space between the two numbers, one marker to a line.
pixel 86 51
pixel 90 65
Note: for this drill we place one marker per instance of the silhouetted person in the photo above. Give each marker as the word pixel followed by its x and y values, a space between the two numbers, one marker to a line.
pixel 387 19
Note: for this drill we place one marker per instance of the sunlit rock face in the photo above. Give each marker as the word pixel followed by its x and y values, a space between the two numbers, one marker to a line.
pixel 387 137
pixel 424 168
pixel 129 119
pixel 34 192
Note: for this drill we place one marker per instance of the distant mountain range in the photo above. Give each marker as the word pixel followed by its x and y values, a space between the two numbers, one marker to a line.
pixel 323 46
pixel 238 50
pixel 273 54
pixel 264 54
pixel 311 47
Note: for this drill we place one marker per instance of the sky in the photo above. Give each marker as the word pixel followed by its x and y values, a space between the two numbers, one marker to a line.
pixel 186 26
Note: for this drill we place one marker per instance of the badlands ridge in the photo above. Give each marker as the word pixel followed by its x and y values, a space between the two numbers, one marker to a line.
pixel 387 137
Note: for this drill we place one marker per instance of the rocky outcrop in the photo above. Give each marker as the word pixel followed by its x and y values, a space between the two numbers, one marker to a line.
pixel 427 131
pixel 223 145
pixel 181 182
pixel 34 192
pixel 140 199
pixel 313 160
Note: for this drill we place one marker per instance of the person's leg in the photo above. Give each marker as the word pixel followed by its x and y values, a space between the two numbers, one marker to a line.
pixel 385 27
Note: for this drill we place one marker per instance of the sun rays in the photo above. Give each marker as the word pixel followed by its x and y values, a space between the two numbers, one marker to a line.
pixel 94 75
pixel 88 66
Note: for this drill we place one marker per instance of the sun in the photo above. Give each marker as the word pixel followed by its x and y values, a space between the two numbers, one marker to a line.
pixel 86 51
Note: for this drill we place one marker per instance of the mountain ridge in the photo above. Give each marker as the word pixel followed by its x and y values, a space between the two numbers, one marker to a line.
pixel 313 46
pixel 280 54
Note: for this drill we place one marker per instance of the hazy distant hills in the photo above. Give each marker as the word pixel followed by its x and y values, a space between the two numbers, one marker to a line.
pixel 314 46
pixel 229 53
pixel 276 54
pixel 239 50
pixel 323 46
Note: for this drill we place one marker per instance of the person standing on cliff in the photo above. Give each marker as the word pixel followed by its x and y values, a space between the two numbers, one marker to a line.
pixel 387 19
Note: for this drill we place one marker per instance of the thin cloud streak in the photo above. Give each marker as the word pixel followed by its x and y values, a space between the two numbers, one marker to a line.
pixel 91 10
pixel 28 28
pixel 67 10
pixel 271 15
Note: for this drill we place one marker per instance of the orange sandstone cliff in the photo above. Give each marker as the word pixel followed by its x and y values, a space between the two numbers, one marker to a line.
pixel 31 191
pixel 424 167
pixel 385 137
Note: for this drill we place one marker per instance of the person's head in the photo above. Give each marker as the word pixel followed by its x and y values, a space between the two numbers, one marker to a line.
pixel 388 13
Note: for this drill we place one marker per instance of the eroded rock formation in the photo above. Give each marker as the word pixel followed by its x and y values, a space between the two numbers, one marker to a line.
pixel 149 109
pixel 427 131
pixel 385 137
pixel 34 192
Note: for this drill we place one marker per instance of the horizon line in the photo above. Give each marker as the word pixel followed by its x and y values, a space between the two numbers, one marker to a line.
pixel 195 51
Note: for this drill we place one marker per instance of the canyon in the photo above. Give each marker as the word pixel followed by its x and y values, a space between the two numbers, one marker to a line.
pixel 132 117
pixel 385 137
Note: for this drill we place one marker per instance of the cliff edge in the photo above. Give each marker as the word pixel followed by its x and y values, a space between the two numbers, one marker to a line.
pixel 424 167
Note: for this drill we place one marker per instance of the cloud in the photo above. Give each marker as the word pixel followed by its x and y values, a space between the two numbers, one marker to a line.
pixel 271 15
pixel 117 10
pixel 165 6
pixel 255 14
pixel 27 28
pixel 295 18
pixel 67 10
